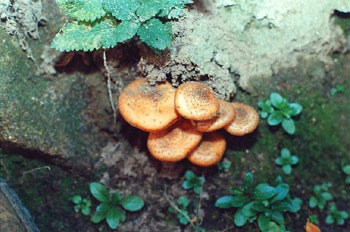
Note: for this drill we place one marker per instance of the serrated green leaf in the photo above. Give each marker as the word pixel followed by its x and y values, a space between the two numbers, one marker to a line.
pixel 132 203
pixel 122 9
pixel 173 8
pixel 82 10
pixel 99 191
pixel 149 9
pixel 155 34
pixel 81 36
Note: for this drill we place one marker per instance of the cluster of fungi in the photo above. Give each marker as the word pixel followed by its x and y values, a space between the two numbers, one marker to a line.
pixel 183 122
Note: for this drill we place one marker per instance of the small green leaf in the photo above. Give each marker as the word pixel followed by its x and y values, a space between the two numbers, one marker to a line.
pixel 296 108
pixel 76 199
pixel 155 34
pixel 275 118
pixel 114 216
pixel 288 126
pixel 132 203
pixel 82 10
pixel 346 169
pixel 224 202
pixel 282 192
pixel 100 213
pixel 86 211
pixel 263 222
pixel 99 191
pixel 285 153
pixel 239 218
pixel 287 169
pixel 183 201
pixel 276 99
pixel 122 9
pixel 264 191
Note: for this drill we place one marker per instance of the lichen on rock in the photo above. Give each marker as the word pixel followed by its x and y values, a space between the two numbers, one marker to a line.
pixel 242 41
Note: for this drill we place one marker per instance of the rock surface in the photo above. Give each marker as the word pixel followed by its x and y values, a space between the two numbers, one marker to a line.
pixel 14 217
pixel 249 40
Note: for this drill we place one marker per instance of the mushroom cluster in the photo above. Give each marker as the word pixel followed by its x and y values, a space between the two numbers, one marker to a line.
pixel 183 122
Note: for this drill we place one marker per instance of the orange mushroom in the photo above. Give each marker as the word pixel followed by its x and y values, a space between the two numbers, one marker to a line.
pixel 210 151
pixel 310 227
pixel 225 116
pixel 149 108
pixel 194 100
pixel 174 143
pixel 246 120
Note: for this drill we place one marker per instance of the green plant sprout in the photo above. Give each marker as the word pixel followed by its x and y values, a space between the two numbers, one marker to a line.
pixel 82 205
pixel 337 89
pixel 278 111
pixel 224 165
pixel 193 182
pixel 321 196
pixel 103 24
pixel 263 202
pixel 346 170
pixel 112 205
pixel 336 216
pixel 286 160
pixel 182 213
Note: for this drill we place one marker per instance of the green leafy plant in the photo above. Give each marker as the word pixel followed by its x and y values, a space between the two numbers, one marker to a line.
pixel 224 165
pixel 321 196
pixel 286 160
pixel 112 205
pixel 82 205
pixel 346 170
pixel 336 216
pixel 337 89
pixel 182 213
pixel 278 111
pixel 105 23
pixel 193 182
pixel 263 202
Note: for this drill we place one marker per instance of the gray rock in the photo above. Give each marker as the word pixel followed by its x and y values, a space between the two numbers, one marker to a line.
pixel 14 217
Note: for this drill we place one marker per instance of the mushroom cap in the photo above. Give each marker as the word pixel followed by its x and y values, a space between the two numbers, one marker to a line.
pixel 174 143
pixel 149 108
pixel 225 116
pixel 194 100
pixel 246 120
pixel 210 151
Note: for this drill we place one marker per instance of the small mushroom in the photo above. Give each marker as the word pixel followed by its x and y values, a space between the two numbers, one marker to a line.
pixel 194 100
pixel 225 116
pixel 245 122
pixel 174 143
pixel 149 108
pixel 210 151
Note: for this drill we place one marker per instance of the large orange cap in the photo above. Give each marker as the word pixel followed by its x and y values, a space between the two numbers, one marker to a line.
pixel 194 100
pixel 225 116
pixel 174 143
pixel 149 108
pixel 210 151
pixel 246 120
